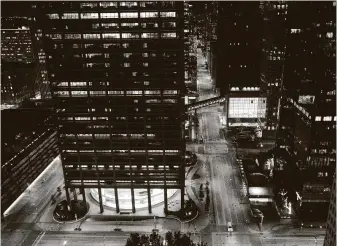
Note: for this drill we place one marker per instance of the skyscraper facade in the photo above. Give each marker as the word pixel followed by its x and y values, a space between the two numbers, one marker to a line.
pixel 238 68
pixel 23 74
pixel 28 144
pixel 117 77
pixel 309 99
pixel 274 17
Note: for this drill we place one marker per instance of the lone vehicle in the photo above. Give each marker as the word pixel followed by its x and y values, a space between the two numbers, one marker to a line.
pixel 230 227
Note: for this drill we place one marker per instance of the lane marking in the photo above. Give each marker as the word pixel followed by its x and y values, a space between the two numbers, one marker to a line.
pixel 38 239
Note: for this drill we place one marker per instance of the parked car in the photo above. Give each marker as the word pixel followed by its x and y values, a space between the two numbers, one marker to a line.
pixel 229 226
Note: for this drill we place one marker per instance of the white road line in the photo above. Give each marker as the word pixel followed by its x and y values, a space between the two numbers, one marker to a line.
pixel 38 239
pixel 226 192
pixel 217 217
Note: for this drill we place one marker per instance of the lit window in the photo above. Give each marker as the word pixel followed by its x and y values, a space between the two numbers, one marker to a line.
pixel 79 93
pixel 148 14
pixel 169 35
pixel 78 83
pixel 318 118
pixel 134 24
pixel 108 4
pixel 89 15
pixel 169 24
pixel 145 64
pixel 53 16
pixel 127 55
pixel 109 25
pixel 335 118
pixel 110 45
pixel 89 5
pixel 91 36
pixel 56 36
pixel 167 14
pixel 295 30
pixel 110 35
pixel 62 93
pixel 72 36
pixel 109 15
pixel 126 64
pixel 149 35
pixel 329 34
pixel 327 118
pixel 168 92
pixel 91 55
pixel 146 83
pixel 152 92
pixel 115 92
pixel 129 15
pixel 130 35
pixel 98 93
pixel 145 55
pixel 134 92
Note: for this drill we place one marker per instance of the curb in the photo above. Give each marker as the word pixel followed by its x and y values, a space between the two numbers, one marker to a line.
pixel 176 218
pixel 73 221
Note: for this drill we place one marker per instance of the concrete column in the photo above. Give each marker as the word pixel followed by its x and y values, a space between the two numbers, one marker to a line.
pixel 100 200
pixel 133 200
pixel 149 200
pixel 165 198
pixel 67 195
pixel 182 197
pixel 116 200
pixel 83 195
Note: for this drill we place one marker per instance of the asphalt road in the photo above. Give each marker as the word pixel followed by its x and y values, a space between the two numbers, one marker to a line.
pixel 219 156
pixel 223 239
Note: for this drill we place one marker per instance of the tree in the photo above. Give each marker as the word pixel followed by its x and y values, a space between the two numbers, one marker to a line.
pixel 154 239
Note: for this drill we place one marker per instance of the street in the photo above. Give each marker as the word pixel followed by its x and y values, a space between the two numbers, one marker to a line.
pixel 221 239
pixel 218 155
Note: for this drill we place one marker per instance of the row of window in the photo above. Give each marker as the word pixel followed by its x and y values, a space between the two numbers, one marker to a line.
pixel 115 15
pixel 137 92
pixel 245 89
pixel 148 135
pixel 133 24
pixel 124 151
pixel 129 4
pixel 114 35
pixel 325 118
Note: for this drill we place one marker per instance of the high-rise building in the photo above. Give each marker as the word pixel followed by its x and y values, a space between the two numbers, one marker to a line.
pixel 308 114
pixel 330 236
pixel 26 149
pixel 117 76
pixel 238 62
pixel 17 58
pixel 272 60
pixel 22 75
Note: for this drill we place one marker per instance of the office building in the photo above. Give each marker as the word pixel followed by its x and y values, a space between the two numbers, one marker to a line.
pixel 28 145
pixel 308 114
pixel 238 69
pixel 117 73
pixel 23 75
pixel 272 60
